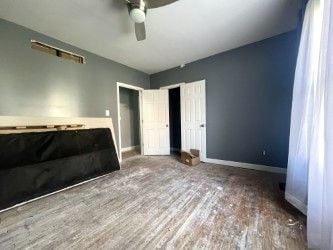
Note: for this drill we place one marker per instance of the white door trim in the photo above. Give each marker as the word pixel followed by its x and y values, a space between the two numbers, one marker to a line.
pixel 178 85
pixel 173 86
pixel 128 86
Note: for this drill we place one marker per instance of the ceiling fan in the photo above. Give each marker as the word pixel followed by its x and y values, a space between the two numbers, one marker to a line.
pixel 137 10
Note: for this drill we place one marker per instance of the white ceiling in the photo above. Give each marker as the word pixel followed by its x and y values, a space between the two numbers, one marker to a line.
pixel 179 33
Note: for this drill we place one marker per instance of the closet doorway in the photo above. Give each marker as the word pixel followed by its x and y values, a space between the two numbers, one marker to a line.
pixel 129 117
pixel 174 92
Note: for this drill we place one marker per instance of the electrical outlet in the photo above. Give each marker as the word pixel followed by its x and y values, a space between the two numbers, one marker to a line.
pixel 107 112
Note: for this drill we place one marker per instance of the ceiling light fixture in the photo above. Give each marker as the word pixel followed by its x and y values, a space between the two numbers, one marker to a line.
pixel 138 15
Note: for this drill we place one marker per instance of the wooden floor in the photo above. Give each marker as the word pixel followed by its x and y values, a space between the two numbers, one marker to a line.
pixel 156 202
pixel 131 153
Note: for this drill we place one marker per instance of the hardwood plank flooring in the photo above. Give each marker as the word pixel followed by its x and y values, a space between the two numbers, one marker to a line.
pixel 132 153
pixel 156 202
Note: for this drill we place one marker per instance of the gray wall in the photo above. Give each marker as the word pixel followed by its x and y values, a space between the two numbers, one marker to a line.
pixel 249 90
pixel 249 94
pixel 37 84
pixel 129 113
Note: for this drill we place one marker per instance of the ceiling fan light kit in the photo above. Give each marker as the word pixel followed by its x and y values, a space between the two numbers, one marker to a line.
pixel 138 15
pixel 137 10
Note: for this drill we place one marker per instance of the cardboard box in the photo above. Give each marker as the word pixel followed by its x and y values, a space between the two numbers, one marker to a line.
pixel 191 158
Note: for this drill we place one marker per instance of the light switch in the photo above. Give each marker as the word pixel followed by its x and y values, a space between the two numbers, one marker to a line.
pixel 107 112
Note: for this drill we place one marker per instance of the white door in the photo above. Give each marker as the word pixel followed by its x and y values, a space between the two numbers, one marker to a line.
pixel 156 133
pixel 193 117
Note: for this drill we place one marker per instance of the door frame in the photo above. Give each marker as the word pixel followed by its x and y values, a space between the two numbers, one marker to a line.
pixel 139 89
pixel 173 86
pixel 178 85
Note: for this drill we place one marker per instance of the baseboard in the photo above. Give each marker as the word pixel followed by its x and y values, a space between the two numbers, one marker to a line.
pixel 247 166
pixel 129 148
pixel 175 150
pixel 296 203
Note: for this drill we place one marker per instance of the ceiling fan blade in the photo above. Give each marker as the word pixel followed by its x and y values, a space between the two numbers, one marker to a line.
pixel 140 31
pixel 119 4
pixel 158 3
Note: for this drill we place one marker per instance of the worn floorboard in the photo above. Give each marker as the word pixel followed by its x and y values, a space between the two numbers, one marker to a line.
pixel 156 202
pixel 128 154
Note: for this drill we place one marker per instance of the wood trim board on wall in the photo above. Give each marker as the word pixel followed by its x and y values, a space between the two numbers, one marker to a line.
pixel 87 122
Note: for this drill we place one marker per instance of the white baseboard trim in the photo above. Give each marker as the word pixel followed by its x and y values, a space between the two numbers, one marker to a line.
pixel 296 203
pixel 129 148
pixel 175 150
pixel 248 166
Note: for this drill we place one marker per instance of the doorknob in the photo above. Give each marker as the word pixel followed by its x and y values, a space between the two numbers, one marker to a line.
pixel 202 125
pixel 167 125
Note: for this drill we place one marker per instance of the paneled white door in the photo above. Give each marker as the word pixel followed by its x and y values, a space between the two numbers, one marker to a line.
pixel 193 117
pixel 156 133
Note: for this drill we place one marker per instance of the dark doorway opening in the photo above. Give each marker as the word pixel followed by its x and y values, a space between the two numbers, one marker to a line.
pixel 174 120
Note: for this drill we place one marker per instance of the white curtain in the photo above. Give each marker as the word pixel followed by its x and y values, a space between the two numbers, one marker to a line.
pixel 302 122
pixel 310 166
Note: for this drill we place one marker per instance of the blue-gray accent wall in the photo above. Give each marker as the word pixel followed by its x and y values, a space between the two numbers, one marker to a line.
pixel 249 96
pixel 249 90
pixel 33 83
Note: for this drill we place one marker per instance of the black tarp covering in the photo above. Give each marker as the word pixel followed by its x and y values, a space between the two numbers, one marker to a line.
pixel 34 164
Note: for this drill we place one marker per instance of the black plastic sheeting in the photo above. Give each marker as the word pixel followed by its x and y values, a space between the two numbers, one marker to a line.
pixel 35 164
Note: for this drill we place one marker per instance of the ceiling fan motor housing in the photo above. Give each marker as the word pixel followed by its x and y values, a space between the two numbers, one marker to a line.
pixel 137 11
